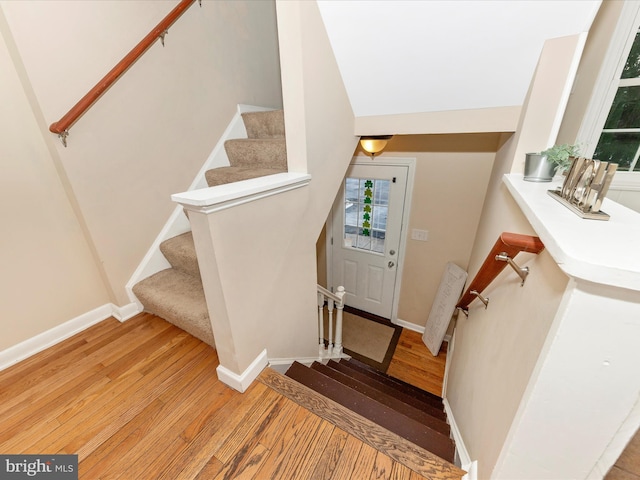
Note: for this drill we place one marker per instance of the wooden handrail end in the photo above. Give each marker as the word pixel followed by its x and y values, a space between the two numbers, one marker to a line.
pixel 525 243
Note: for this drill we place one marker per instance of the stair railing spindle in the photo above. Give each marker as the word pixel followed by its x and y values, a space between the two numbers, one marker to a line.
pixel 321 300
pixel 330 308
pixel 334 302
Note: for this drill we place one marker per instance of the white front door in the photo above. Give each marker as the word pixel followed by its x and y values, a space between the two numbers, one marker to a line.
pixel 367 225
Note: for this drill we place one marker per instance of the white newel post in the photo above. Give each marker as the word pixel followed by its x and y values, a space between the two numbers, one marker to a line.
pixel 338 343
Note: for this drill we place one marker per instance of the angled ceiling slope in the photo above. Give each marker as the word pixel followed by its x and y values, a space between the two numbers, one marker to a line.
pixel 399 57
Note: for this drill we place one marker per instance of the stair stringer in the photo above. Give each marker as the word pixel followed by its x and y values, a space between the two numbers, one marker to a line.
pixel 178 223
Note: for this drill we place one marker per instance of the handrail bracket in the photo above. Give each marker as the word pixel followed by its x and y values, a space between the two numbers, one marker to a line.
pixel 521 271
pixel 162 36
pixel 63 137
pixel 484 300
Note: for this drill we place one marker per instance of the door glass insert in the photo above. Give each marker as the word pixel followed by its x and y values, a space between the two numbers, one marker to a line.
pixel 366 206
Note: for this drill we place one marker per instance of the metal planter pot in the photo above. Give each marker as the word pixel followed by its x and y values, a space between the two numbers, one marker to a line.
pixel 537 168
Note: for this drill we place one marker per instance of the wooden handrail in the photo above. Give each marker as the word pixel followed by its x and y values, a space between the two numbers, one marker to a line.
pixel 61 126
pixel 508 243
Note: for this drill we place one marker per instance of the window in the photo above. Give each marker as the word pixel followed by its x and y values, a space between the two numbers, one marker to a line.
pixel 610 129
pixel 620 138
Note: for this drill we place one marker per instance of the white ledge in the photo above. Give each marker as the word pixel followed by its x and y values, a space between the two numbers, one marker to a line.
pixel 212 199
pixel 603 252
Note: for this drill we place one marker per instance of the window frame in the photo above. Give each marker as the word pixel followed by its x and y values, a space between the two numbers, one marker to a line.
pixel 606 88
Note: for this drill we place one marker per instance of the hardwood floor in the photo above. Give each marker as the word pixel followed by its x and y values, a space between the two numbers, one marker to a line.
pixel 627 467
pixel 413 363
pixel 141 400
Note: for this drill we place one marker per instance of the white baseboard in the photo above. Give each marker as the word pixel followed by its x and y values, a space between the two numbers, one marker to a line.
pixel 122 314
pixel 415 328
pixel 44 340
pixel 465 460
pixel 409 325
pixel 242 382
pixel 280 364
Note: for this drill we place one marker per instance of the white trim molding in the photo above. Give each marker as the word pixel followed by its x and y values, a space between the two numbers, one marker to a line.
pixel 471 466
pixel 221 197
pixel 416 328
pixel 281 365
pixel 245 379
pixel 55 335
pixel 122 314
pixel 408 325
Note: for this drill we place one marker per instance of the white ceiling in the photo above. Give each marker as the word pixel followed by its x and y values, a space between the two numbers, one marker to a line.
pixel 437 55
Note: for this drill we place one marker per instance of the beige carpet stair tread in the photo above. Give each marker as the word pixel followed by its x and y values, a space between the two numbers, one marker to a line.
pixel 268 124
pixel 257 152
pixel 181 254
pixel 178 298
pixel 176 294
pixel 224 175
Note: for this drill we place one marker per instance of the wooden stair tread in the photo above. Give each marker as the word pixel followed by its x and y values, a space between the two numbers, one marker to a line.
pixel 399 449
pixel 421 435
pixel 427 408
pixel 385 398
pixel 416 396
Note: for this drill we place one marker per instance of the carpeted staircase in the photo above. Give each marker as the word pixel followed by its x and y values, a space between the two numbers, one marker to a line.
pixel 176 293
pixel 399 407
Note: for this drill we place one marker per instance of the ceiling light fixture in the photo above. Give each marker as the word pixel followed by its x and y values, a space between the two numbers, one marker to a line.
pixel 374 144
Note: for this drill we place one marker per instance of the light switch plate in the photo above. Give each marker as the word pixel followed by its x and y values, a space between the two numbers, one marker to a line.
pixel 422 235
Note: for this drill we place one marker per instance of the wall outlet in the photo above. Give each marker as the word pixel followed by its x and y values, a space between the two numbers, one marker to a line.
pixel 422 235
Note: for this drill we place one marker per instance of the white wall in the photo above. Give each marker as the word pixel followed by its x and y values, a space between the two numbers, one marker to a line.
pixel 48 275
pixel 260 257
pixel 148 135
pixel 496 349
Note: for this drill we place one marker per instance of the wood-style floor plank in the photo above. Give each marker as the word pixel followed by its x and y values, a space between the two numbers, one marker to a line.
pixel 382 467
pixel 330 456
pixel 413 363
pixel 141 399
pixel 348 460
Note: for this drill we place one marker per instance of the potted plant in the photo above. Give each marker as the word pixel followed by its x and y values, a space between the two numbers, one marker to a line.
pixel 541 167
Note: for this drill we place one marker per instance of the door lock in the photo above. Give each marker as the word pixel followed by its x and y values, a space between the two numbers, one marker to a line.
pixel 392 252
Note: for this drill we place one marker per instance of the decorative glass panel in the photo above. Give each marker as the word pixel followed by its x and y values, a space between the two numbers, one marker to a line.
pixel 351 189
pixel 365 213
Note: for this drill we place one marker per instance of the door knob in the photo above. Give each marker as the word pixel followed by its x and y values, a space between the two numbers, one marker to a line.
pixel 392 252
pixel 391 264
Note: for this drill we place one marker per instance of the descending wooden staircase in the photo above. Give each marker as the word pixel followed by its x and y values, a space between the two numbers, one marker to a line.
pixel 401 420
pixel 176 293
